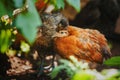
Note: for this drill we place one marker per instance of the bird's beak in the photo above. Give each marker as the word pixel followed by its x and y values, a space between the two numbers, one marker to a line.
pixel 55 35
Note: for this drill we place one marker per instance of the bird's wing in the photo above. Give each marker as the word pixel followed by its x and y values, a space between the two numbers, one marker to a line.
pixel 100 39
pixel 89 48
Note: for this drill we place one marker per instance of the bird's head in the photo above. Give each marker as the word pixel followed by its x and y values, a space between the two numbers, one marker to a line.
pixel 52 23
pixel 63 24
pixel 61 33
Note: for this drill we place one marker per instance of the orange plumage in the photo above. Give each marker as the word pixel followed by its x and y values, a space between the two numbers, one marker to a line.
pixel 40 5
pixel 85 44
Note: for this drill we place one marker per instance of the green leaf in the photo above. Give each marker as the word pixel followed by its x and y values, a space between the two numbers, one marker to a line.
pixel 18 3
pixel 28 22
pixel 5 38
pixel 64 66
pixel 2 9
pixel 56 70
pixel 2 37
pixel 6 7
pixel 60 4
pixel 35 1
pixel 114 61
pixel 83 76
pixel 64 62
pixel 75 4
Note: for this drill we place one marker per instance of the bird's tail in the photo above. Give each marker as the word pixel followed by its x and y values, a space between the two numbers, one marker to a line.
pixel 106 53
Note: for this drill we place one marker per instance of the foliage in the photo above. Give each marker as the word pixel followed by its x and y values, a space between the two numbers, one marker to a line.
pixel 6 7
pixel 24 47
pixel 4 39
pixel 115 77
pixel 77 70
pixel 58 4
pixel 83 76
pixel 111 74
pixel 5 33
pixel 28 22
pixel 25 18
pixel 114 61
pixel 61 4
pixel 18 3
pixel 75 4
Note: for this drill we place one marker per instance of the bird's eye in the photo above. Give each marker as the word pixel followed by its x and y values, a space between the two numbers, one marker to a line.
pixel 66 32
pixel 62 32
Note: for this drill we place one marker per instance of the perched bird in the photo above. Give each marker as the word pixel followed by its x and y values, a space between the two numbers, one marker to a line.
pixel 52 22
pixel 84 44
pixel 43 45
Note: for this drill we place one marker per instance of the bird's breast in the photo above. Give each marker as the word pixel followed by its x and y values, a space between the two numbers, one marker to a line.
pixel 66 46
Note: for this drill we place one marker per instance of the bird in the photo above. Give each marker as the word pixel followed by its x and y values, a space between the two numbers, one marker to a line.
pixel 52 23
pixel 84 44
pixel 43 45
